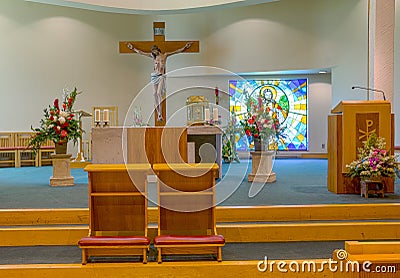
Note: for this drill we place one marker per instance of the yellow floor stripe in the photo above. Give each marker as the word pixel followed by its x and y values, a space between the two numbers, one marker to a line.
pixel 176 269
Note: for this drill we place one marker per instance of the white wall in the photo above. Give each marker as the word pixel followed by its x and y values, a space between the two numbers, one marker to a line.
pixel 45 48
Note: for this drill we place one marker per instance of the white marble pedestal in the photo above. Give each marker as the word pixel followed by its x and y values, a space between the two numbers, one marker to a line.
pixel 261 169
pixel 61 170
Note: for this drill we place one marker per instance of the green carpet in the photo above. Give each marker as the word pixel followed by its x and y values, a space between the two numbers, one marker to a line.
pixel 299 182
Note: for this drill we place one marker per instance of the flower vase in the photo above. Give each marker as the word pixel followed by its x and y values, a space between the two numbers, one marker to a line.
pixel 61 147
pixel 259 145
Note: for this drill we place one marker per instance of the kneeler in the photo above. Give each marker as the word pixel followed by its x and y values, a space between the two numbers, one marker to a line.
pixel 117 211
pixel 186 210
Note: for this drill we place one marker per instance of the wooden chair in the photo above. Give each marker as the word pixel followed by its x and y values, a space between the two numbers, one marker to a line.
pixel 24 152
pixel 44 153
pixel 117 211
pixel 186 210
pixel 8 152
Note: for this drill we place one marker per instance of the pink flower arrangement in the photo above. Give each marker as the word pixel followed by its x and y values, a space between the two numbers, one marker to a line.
pixel 373 160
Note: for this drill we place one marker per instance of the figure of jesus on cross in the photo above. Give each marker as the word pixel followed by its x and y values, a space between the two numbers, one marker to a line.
pixel 159 50
pixel 158 75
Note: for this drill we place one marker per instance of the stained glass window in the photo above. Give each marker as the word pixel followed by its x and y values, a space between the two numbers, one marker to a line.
pixel 290 100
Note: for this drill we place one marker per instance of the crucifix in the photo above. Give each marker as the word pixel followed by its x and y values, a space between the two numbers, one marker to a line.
pixel 159 50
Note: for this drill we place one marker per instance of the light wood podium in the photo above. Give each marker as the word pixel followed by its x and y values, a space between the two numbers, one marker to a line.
pixel 351 124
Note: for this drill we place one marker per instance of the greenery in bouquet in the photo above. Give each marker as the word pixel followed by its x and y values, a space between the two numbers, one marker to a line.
pixel 229 135
pixel 374 161
pixel 59 123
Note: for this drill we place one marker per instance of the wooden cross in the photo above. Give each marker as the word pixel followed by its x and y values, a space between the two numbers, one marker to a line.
pixel 165 46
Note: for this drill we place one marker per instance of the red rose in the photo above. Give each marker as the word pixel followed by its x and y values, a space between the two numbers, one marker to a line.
pixel 248 132
pixel 71 115
pixel 65 125
pixel 250 121
pixel 51 112
pixel 256 135
pixel 56 103
pixel 64 133
pixel 64 106
pixel 51 118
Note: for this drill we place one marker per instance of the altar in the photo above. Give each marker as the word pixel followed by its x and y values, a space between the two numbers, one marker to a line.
pixel 118 145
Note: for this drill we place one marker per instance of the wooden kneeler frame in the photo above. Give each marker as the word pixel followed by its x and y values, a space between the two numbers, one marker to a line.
pixel 189 245
pixel 117 211
pixel 186 210
pixel 114 246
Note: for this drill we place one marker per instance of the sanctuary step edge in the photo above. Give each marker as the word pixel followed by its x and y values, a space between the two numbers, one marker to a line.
pixel 298 213
pixel 238 224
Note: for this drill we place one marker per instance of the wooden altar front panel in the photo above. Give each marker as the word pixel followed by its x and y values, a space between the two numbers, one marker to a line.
pixel 355 121
pixel 119 145
pixel 157 145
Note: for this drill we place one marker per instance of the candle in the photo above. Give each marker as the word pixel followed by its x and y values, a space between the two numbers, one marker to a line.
pixel 207 115
pixel 106 117
pixel 215 114
pixel 216 96
pixel 97 115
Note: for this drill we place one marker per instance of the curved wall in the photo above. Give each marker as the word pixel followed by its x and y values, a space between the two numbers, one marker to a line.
pixel 46 48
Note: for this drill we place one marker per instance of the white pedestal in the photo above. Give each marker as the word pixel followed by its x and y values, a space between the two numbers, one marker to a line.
pixel 61 170
pixel 261 169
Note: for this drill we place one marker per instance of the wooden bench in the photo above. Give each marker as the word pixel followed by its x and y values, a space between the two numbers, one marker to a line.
pixel 46 149
pixel 24 152
pixel 372 187
pixel 15 150
pixel 8 152
pixel 186 210
pixel 117 211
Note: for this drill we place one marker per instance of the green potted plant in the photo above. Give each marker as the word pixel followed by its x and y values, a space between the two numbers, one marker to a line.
pixel 229 133
pixel 59 124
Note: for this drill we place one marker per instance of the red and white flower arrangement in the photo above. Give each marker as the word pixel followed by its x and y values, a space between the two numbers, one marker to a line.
pixel 260 123
pixel 59 124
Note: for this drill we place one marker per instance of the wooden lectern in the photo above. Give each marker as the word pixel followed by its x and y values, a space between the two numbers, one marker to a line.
pixel 351 123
